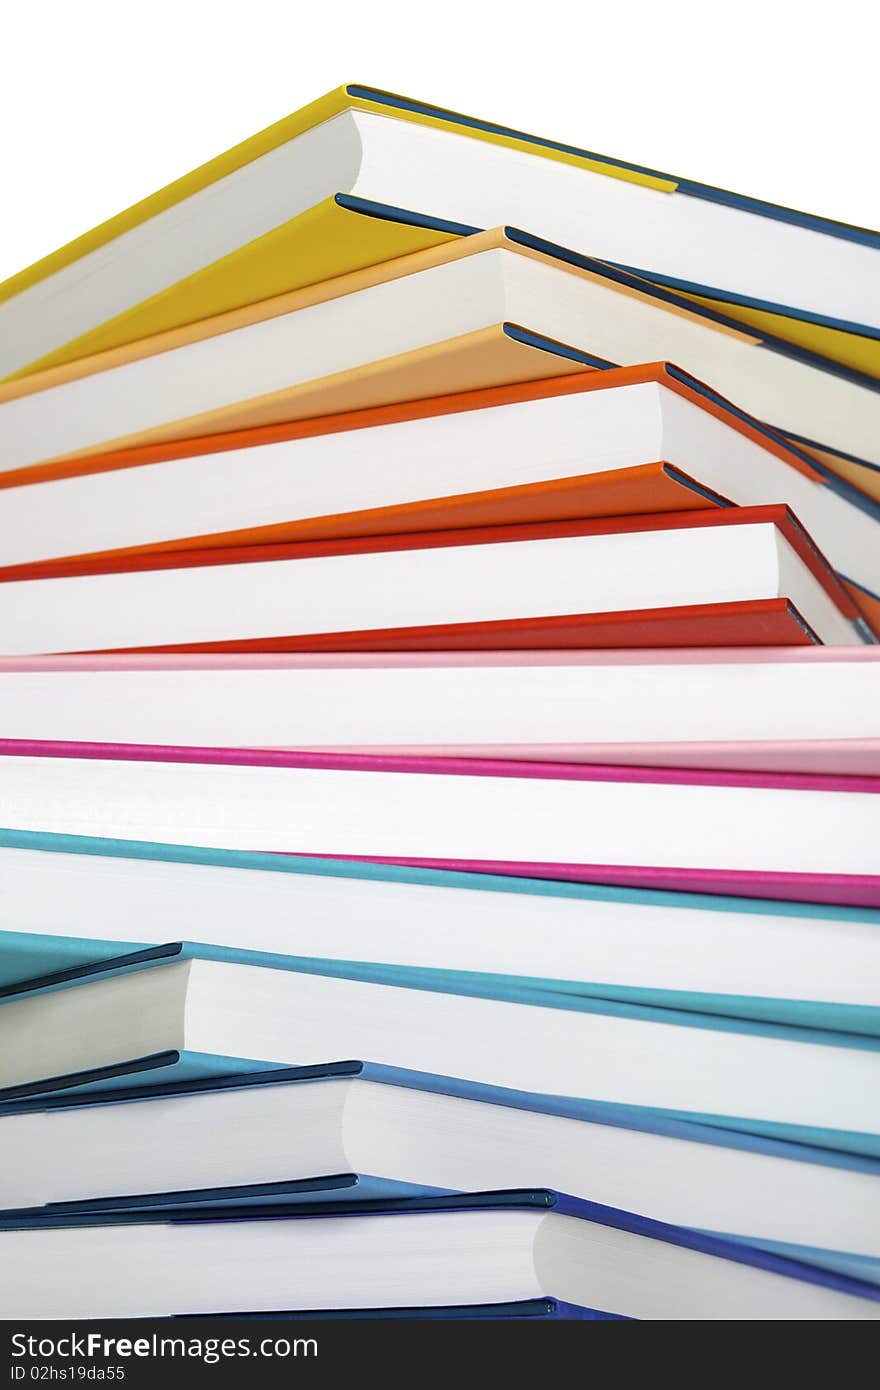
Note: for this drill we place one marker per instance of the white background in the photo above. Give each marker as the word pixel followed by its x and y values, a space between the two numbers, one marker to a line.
pixel 101 103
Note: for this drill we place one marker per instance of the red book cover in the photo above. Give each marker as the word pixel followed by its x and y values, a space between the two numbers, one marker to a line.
pixel 762 622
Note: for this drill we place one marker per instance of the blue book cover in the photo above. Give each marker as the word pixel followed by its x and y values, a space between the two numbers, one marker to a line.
pixel 282 1208
pixel 249 1199
pixel 336 1193
pixel 30 960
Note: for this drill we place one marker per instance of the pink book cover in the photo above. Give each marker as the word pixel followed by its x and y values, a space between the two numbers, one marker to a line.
pixel 837 757
pixel 851 757
pixel 663 656
pixel 860 890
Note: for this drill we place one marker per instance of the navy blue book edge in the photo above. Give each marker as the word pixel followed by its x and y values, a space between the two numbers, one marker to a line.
pixel 533 1309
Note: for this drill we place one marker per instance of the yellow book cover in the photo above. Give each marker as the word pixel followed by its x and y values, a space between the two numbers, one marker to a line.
pixel 262 220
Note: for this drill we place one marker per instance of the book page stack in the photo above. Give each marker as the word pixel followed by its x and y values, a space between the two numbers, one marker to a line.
pixel 440 742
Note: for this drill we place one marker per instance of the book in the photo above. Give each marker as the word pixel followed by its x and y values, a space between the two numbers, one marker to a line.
pixel 82 959
pixel 630 441
pixel 763 710
pixel 263 218
pixel 484 311
pixel 261 1138
pixel 196 1013
pixel 759 835
pixel 334 1195
pixel 729 577
pixel 78 902
pixel 484 1248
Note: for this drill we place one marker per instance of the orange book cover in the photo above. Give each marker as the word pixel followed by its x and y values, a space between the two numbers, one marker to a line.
pixel 654 487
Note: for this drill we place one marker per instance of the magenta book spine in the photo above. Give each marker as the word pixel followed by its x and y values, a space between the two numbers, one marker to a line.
pixel 441 767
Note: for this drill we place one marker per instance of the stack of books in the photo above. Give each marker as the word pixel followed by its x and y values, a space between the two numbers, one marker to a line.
pixel 440 742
